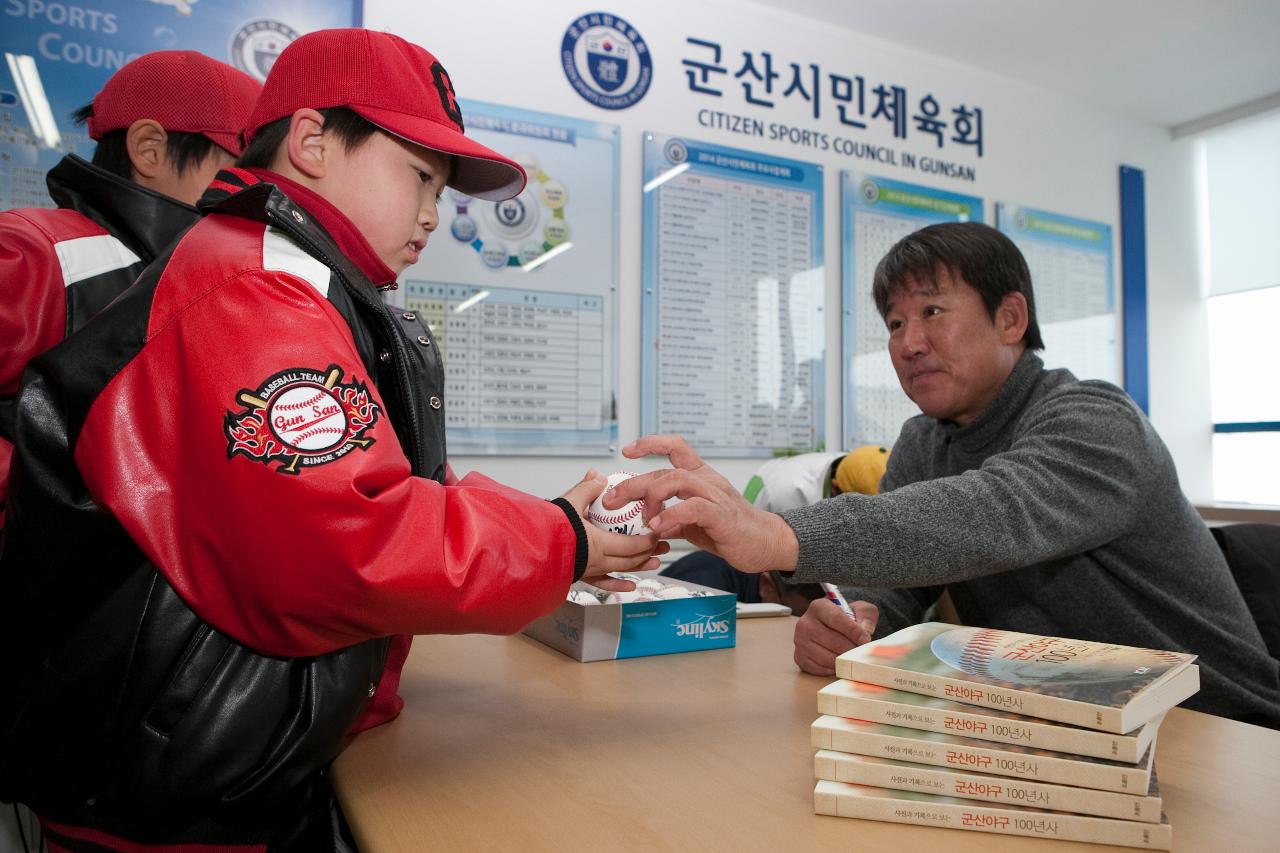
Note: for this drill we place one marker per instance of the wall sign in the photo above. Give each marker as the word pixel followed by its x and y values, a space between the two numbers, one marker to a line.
pixel 606 61
pixel 1071 262
pixel 878 212
pixel 732 325
pixel 522 294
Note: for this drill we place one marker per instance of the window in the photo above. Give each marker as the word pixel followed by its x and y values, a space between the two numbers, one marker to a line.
pixel 1244 376
pixel 1240 224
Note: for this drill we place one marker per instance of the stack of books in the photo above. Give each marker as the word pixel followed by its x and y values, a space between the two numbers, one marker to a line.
pixel 995 731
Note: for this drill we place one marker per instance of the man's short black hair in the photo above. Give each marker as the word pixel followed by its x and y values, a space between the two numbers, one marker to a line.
pixel 349 127
pixel 986 259
pixel 184 150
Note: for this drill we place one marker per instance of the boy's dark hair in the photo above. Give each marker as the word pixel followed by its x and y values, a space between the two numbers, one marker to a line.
pixel 987 260
pixel 349 127
pixel 184 150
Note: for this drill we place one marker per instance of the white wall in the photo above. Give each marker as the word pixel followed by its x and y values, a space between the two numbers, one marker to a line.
pixel 1041 149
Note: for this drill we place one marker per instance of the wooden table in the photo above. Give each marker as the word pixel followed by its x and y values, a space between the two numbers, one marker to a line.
pixel 508 745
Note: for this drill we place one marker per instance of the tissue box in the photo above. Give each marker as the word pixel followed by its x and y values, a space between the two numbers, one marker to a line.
pixel 587 632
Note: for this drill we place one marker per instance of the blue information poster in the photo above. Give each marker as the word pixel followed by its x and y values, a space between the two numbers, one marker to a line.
pixel 522 294
pixel 58 55
pixel 878 212
pixel 732 322
pixel 1071 266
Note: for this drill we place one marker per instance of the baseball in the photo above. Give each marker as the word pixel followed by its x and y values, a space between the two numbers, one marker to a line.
pixel 626 519
pixel 649 586
pixel 583 597
pixel 308 418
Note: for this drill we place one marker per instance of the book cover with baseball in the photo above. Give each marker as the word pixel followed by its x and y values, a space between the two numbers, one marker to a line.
pixel 843 799
pixel 1102 686
pixel 970 785
pixel 844 734
pixel 876 704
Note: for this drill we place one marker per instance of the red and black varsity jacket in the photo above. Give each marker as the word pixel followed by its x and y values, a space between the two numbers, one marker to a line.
pixel 230 503
pixel 59 267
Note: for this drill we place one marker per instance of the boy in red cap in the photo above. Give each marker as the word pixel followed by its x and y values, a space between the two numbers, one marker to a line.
pixel 231 501
pixel 164 123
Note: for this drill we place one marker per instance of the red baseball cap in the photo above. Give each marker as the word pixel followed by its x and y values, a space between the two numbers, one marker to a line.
pixel 392 83
pixel 185 91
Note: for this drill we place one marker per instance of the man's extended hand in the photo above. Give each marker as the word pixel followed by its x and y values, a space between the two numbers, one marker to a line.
pixel 711 514
pixel 611 552
pixel 825 632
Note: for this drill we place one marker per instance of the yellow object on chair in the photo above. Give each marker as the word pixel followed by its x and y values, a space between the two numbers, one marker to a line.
pixel 860 470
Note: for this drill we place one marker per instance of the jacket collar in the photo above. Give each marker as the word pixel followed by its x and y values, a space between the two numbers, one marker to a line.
pixel 344 232
pixel 236 191
pixel 1004 409
pixel 240 192
pixel 144 220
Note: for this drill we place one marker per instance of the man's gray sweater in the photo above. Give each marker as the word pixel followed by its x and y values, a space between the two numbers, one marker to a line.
pixel 1058 512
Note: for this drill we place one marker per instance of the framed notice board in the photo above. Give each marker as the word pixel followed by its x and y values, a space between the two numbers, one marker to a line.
pixel 732 309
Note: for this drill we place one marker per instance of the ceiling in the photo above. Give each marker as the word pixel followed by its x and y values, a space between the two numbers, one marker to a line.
pixel 1174 63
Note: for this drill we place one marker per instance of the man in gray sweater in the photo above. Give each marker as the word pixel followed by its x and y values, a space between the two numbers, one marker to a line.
pixel 1043 504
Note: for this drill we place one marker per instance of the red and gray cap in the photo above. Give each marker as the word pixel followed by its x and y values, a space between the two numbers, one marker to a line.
pixel 185 91
pixel 392 83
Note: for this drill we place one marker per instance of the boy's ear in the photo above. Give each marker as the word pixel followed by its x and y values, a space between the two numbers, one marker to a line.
pixel 145 142
pixel 306 143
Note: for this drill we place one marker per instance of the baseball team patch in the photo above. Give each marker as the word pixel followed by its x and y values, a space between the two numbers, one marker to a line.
pixel 301 418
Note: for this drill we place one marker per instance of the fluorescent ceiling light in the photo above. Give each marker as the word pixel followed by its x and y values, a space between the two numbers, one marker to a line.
pixel 34 101
pixel 546 256
pixel 666 176
pixel 478 296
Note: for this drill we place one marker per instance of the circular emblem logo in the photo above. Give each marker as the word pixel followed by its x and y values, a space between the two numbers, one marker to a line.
pixel 464 229
pixel 606 61
pixel 870 192
pixel 515 232
pixel 511 212
pixel 164 36
pixel 675 151
pixel 301 418
pixel 307 418
pixel 255 46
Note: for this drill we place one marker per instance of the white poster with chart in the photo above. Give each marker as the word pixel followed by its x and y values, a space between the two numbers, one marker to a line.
pixel 732 322
pixel 522 294
pixel 876 213
pixel 1071 277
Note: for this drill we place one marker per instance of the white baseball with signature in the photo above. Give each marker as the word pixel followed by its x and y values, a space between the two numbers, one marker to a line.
pixel 628 518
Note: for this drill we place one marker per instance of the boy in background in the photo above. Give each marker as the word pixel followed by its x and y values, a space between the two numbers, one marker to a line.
pixel 165 123
pixel 232 506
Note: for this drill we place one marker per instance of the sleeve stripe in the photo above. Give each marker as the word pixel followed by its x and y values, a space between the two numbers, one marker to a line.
pixel 281 254
pixel 85 257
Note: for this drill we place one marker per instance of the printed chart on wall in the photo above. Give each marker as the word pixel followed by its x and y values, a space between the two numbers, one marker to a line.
pixel 877 213
pixel 522 294
pixel 732 329
pixel 58 55
pixel 1071 274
